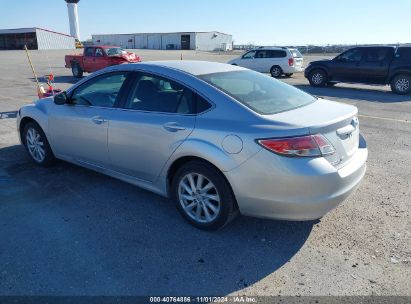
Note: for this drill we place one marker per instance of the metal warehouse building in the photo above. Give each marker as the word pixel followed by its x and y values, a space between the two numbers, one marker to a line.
pixel 203 41
pixel 35 38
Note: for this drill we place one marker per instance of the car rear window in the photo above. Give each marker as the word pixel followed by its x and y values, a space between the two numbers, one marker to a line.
pixel 296 53
pixel 262 94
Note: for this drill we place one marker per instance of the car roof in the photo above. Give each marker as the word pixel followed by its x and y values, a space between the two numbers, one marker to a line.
pixel 194 67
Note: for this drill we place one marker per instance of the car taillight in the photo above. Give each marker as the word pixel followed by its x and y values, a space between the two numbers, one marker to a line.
pixel 303 146
pixel 291 61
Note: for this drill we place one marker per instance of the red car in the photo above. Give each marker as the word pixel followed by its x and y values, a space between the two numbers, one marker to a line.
pixel 95 58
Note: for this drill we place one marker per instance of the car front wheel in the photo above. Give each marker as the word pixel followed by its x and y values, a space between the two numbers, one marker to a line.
pixel 37 145
pixel 401 84
pixel 203 196
pixel 318 78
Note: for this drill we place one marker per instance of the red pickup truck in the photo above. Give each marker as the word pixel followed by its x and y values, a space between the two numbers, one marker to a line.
pixel 98 57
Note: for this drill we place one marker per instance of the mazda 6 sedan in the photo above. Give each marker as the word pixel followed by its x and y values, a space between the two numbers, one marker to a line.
pixel 215 138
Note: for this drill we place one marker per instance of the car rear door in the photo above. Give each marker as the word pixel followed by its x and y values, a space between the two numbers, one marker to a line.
pixel 298 58
pixel 347 66
pixel 79 130
pixel 375 64
pixel 155 119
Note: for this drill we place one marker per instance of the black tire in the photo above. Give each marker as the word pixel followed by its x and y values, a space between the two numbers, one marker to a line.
pixel 48 158
pixel 317 78
pixel 227 206
pixel 401 84
pixel 234 64
pixel 276 71
pixel 289 74
pixel 76 70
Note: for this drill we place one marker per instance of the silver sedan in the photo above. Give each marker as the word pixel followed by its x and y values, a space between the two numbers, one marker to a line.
pixel 217 139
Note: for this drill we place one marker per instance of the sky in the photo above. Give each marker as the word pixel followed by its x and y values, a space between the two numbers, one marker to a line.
pixel 261 22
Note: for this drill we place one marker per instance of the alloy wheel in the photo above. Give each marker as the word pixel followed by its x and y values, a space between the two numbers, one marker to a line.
pixel 35 145
pixel 317 78
pixel 402 85
pixel 199 198
pixel 276 72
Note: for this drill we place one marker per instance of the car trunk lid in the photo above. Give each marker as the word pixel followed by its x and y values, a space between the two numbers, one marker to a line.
pixel 336 121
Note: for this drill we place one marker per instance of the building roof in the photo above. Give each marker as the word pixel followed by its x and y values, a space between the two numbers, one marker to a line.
pixel 164 33
pixel 28 30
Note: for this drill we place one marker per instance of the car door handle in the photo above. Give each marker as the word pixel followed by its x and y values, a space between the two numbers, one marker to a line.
pixel 173 127
pixel 98 120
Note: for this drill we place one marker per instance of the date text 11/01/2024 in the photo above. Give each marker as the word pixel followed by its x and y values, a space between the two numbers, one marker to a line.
pixel 234 299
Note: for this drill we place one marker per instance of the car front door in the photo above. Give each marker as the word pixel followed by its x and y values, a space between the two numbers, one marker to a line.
pixel 100 60
pixel 79 129
pixel 375 64
pixel 248 60
pixel 347 66
pixel 155 119
pixel 88 59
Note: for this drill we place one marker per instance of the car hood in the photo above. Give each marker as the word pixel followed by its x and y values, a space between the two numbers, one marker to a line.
pixel 233 60
pixel 319 61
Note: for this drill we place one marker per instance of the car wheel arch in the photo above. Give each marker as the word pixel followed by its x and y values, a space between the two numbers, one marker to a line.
pixel 397 73
pixel 178 163
pixel 24 121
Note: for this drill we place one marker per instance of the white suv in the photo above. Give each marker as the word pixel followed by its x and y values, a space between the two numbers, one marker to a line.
pixel 274 60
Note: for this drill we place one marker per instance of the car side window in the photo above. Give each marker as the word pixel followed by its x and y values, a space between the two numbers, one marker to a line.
pixel 99 52
pixel 262 54
pixel 376 54
pixel 249 55
pixel 277 54
pixel 89 52
pixel 201 104
pixel 101 91
pixel 353 55
pixel 158 94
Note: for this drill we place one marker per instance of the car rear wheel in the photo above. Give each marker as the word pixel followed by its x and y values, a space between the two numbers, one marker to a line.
pixel 401 84
pixel 37 145
pixel 276 71
pixel 288 74
pixel 203 196
pixel 76 70
pixel 318 78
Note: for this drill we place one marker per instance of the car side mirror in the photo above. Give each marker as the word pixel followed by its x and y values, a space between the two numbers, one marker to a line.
pixel 61 99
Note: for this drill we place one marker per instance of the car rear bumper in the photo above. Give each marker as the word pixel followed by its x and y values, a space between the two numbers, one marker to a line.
pixel 275 187
pixel 293 69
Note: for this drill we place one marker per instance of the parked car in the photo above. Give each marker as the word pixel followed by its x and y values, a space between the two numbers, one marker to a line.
pixel 95 58
pixel 370 65
pixel 274 60
pixel 163 126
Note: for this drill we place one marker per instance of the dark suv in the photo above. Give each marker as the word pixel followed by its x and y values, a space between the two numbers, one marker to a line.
pixel 370 65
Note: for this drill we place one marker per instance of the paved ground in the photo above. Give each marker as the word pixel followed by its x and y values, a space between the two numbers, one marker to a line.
pixel 70 231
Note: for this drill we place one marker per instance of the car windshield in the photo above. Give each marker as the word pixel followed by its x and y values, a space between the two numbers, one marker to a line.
pixel 114 51
pixel 296 53
pixel 264 95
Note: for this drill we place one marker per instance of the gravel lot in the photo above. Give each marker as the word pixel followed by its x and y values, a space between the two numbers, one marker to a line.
pixel 69 231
